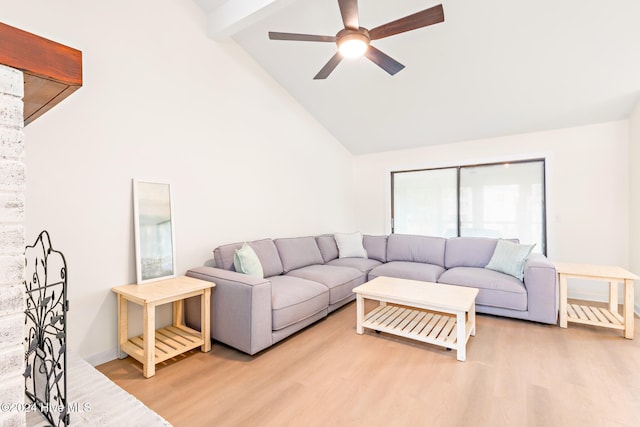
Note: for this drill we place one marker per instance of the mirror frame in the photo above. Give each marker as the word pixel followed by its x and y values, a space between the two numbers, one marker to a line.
pixel 141 276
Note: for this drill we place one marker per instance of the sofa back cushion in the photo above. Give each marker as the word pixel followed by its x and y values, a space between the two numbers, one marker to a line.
pixel 469 251
pixel 269 257
pixel 223 255
pixel 328 247
pixel 376 247
pixel 298 252
pixel 407 247
pixel 265 249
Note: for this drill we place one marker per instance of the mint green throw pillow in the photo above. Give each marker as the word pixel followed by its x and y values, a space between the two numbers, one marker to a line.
pixel 509 258
pixel 246 261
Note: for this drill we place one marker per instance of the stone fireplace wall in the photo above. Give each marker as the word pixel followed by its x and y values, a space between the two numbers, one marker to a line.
pixel 12 244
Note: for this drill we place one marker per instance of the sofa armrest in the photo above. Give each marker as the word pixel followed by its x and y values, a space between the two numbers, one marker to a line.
pixel 240 309
pixel 540 279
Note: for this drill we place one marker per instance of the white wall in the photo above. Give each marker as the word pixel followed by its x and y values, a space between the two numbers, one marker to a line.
pixel 162 101
pixel 634 198
pixel 587 187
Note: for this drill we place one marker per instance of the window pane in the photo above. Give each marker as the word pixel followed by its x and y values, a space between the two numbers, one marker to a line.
pixel 503 201
pixel 424 202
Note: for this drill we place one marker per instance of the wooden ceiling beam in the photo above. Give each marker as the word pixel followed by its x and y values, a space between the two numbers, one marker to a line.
pixel 52 71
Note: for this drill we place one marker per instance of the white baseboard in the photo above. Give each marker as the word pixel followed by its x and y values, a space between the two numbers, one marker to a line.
pixel 104 357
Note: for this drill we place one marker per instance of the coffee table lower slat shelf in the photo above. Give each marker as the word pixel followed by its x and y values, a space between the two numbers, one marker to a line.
pixel 431 328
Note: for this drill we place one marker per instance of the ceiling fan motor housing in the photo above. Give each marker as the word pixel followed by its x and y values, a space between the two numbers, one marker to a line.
pixel 352 43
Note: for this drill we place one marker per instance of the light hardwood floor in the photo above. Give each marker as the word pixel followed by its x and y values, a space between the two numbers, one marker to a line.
pixel 517 373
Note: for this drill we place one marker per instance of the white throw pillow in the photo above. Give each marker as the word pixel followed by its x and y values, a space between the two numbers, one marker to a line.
pixel 509 258
pixel 350 245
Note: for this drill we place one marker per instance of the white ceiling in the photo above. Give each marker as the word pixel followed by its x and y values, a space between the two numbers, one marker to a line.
pixel 494 67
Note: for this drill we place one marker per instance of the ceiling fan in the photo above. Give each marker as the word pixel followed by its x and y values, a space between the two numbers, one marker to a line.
pixel 354 40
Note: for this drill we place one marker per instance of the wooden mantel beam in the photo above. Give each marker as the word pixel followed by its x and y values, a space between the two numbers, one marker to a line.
pixel 52 71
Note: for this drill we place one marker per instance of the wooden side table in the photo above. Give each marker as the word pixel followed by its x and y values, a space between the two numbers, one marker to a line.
pixel 155 346
pixel 598 316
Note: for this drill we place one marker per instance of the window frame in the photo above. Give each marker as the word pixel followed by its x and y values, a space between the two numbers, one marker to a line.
pixel 458 169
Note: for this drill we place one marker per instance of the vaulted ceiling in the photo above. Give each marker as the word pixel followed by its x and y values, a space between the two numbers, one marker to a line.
pixel 492 68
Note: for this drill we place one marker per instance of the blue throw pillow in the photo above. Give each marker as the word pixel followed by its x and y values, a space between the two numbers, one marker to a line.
pixel 246 261
pixel 509 258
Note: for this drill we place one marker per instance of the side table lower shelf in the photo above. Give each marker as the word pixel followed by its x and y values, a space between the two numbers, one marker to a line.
pixel 595 316
pixel 169 342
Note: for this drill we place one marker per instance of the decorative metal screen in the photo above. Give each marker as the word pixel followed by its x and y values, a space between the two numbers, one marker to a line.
pixel 46 325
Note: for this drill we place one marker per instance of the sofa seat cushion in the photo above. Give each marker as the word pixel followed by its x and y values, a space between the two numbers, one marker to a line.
pixel 294 299
pixel 363 264
pixel 496 289
pixel 408 270
pixel 339 280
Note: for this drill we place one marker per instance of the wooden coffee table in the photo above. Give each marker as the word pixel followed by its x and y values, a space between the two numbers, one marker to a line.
pixel 433 313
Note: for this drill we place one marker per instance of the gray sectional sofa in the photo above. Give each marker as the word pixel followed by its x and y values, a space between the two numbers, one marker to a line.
pixel 305 279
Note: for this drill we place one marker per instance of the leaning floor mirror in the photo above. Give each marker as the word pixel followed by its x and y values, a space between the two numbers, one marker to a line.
pixel 154 231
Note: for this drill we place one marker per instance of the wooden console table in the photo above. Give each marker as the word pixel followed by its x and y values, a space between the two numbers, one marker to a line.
pixel 155 346
pixel 598 316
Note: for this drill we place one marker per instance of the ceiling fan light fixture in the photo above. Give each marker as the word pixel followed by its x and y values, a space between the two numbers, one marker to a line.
pixel 353 40
pixel 353 45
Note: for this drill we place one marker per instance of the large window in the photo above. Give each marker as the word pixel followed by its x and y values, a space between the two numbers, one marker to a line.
pixel 494 200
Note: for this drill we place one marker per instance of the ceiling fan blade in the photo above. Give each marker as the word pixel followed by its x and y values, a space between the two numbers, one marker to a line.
pixel 300 37
pixel 329 67
pixel 383 60
pixel 427 17
pixel 349 12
